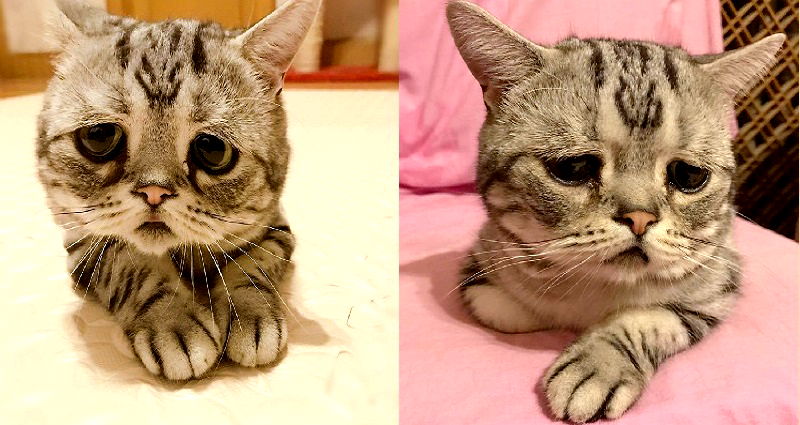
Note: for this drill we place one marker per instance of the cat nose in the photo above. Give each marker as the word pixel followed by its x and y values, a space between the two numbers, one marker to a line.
pixel 638 221
pixel 154 195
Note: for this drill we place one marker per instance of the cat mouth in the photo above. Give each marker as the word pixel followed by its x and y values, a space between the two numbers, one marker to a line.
pixel 632 255
pixel 154 228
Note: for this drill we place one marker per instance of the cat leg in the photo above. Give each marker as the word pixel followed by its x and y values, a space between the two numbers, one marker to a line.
pixel 258 331
pixel 605 371
pixel 171 334
pixel 493 307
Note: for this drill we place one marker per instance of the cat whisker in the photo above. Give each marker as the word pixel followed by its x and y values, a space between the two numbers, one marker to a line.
pixel 96 264
pixel 74 212
pixel 205 276
pixel 225 285
pixel 269 280
pixel 259 247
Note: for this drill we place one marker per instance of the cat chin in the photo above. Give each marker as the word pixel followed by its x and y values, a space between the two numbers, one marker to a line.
pixel 153 243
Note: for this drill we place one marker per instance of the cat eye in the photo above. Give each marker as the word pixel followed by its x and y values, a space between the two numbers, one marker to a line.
pixel 100 142
pixel 575 170
pixel 686 177
pixel 212 154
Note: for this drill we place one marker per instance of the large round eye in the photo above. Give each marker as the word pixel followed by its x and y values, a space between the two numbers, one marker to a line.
pixel 212 154
pixel 100 142
pixel 575 170
pixel 685 177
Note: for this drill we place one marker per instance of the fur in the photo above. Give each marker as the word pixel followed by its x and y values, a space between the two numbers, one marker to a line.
pixel 206 282
pixel 556 255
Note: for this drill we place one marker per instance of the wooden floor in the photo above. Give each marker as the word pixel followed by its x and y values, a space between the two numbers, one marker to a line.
pixel 19 87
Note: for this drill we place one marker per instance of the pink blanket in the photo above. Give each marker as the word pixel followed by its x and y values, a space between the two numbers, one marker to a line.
pixel 453 371
pixel 441 108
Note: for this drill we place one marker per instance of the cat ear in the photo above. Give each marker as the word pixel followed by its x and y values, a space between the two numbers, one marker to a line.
pixel 75 19
pixel 495 54
pixel 739 70
pixel 272 43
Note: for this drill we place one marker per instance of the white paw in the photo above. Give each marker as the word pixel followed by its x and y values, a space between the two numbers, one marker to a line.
pixel 494 308
pixel 256 338
pixel 592 380
pixel 180 343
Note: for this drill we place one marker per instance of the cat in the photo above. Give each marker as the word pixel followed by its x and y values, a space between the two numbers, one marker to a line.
pixel 162 150
pixel 607 173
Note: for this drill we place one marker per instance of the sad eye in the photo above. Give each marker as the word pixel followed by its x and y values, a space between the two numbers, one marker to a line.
pixel 100 142
pixel 212 154
pixel 685 177
pixel 575 170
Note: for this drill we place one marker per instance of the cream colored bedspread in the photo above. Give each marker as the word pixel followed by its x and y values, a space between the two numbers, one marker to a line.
pixel 63 360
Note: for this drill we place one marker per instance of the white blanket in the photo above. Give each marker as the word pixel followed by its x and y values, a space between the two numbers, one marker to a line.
pixel 64 360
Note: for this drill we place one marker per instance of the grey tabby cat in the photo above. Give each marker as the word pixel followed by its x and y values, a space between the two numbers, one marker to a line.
pixel 607 173
pixel 162 148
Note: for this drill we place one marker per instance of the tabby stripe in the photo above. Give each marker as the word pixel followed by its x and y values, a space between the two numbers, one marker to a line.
pixel 601 411
pixel 574 390
pixel 257 333
pixel 618 345
pixel 562 367
pixel 175 37
pixel 684 314
pixel 122 49
pixel 148 303
pixel 203 327
pixel 126 292
pixel 154 353
pixel 597 65
pixel 648 352
pixel 199 60
pixel 670 70
pixel 278 329
pixel 185 350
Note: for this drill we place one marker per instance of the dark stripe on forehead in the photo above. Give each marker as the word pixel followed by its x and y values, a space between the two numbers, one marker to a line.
pixel 644 55
pixel 597 65
pixel 670 70
pixel 122 49
pixel 199 59
pixel 175 37
pixel 160 90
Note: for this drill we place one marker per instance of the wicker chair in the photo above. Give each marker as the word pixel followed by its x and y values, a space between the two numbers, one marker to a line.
pixel 766 147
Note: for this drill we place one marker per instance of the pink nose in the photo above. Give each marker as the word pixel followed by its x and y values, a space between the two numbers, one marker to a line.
pixel 638 221
pixel 154 195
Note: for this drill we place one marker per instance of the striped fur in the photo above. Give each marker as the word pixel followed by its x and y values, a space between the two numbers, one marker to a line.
pixel 207 280
pixel 553 255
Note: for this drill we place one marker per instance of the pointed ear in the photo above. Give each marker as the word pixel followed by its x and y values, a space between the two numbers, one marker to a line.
pixel 739 70
pixel 272 43
pixel 495 54
pixel 75 19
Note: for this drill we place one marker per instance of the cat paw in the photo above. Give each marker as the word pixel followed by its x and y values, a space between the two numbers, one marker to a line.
pixel 257 335
pixel 592 380
pixel 179 343
pixel 496 309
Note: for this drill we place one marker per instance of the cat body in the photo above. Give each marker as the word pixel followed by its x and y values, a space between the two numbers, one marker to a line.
pixel 162 148
pixel 606 170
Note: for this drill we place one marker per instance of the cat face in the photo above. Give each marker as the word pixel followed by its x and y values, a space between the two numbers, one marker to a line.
pixel 618 151
pixel 167 133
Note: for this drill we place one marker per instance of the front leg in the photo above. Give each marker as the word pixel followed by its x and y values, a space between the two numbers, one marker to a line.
pixel 173 333
pixel 255 271
pixel 605 371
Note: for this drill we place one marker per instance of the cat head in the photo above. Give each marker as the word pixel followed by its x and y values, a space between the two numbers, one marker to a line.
pixel 170 132
pixel 617 151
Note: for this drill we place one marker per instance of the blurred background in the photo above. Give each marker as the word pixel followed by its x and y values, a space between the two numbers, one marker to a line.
pixel 352 41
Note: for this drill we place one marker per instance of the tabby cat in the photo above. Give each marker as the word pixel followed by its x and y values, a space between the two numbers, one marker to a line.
pixel 607 172
pixel 162 148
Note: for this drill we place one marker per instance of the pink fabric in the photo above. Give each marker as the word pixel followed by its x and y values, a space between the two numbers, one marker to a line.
pixel 453 371
pixel 441 108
